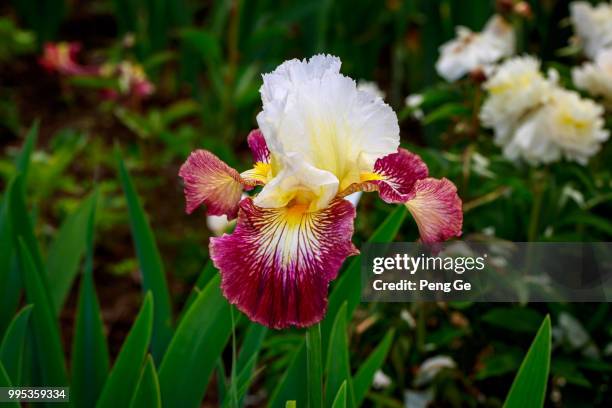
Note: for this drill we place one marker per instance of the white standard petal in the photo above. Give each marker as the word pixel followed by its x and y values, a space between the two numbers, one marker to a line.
pixel 470 50
pixel 593 26
pixel 313 111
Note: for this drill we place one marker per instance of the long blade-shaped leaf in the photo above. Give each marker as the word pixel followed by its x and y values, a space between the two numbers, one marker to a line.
pixel 291 386
pixel 191 356
pixel 314 367
pixel 10 281
pixel 151 266
pixel 16 225
pixel 6 382
pixel 243 381
pixel 45 331
pixel 90 360
pixel 365 375
pixel 529 387
pixel 346 289
pixel 22 224
pixel 11 347
pixel 338 365
pixel 340 399
pixel 65 253
pixel 247 358
pixel 147 394
pixel 251 344
pixel 22 162
pixel 207 273
pixel 121 383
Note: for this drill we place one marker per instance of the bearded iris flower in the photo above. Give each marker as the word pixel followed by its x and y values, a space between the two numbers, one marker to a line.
pixel 319 140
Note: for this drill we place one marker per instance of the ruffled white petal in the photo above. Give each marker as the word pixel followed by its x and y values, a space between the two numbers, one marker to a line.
pixel 596 78
pixel 516 87
pixel 470 50
pixel 593 26
pixel 568 126
pixel 313 111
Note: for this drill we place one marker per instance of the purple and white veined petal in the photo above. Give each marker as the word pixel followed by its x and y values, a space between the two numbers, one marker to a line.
pixel 211 182
pixel 261 173
pixel 277 264
pixel 399 171
pixel 258 146
pixel 437 210
pixel 394 177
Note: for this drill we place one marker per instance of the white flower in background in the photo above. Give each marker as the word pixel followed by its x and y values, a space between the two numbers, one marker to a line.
pixel 381 380
pixel 593 26
pixel 536 120
pixel 418 399
pixel 569 193
pixel 218 224
pixel 472 50
pixel 481 165
pixel 567 126
pixel 406 316
pixel 572 333
pixel 576 125
pixel 596 78
pixel 431 367
pixel 414 102
pixel 516 87
pixel 370 87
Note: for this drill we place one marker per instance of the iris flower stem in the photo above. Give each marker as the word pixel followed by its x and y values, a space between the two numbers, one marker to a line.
pixel 314 369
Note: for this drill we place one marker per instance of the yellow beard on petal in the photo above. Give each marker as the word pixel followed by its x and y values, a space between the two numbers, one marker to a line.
pixel 295 213
pixel 370 176
pixel 261 172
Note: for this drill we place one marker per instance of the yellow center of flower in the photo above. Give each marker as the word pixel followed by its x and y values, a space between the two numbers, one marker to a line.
pixel 63 54
pixel 295 213
pixel 521 81
pixel 566 119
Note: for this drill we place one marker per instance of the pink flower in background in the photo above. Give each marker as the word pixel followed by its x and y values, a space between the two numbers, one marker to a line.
pixel 320 139
pixel 132 81
pixel 62 58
